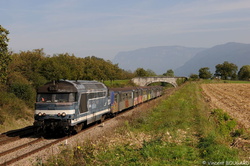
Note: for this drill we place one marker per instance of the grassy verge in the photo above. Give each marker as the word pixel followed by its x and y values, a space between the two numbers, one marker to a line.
pixel 182 130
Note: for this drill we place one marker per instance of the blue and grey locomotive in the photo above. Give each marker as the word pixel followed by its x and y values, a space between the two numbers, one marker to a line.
pixel 66 106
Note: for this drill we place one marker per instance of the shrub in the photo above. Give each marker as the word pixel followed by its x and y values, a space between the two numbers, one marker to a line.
pixel 24 92
pixel 22 88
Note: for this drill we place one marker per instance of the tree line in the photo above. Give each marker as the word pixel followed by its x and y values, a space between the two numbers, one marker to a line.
pixel 225 71
pixel 39 68
pixel 28 70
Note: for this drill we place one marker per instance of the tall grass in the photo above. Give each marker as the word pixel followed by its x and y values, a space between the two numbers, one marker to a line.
pixel 182 130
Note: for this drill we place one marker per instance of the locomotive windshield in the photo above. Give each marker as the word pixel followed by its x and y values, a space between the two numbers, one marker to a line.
pixel 56 97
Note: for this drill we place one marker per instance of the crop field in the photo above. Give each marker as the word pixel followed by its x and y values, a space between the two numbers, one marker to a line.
pixel 232 98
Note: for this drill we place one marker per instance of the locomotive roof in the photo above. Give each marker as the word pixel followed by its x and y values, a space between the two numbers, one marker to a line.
pixel 71 86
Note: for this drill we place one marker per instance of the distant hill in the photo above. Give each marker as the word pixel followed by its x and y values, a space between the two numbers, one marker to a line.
pixel 159 58
pixel 236 53
pixel 183 60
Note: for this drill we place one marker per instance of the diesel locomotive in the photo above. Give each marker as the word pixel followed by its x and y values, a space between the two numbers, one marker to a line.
pixel 66 106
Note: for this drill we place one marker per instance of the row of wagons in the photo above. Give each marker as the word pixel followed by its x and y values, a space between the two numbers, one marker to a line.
pixel 124 98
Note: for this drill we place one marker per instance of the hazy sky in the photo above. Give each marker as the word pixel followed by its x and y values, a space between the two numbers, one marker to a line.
pixel 104 27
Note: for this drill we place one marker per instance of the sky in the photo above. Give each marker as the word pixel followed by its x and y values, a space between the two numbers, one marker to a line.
pixel 102 28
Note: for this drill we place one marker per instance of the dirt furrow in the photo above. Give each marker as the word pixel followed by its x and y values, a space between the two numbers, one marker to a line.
pixel 233 98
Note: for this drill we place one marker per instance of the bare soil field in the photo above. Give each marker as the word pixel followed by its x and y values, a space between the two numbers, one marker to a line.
pixel 232 98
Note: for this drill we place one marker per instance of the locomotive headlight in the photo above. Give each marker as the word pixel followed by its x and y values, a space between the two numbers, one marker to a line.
pixel 63 114
pixel 40 114
pixel 44 114
pixel 59 114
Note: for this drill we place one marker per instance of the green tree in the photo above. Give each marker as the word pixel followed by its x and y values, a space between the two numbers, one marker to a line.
pixel 77 67
pixel 226 70
pixel 24 91
pixel 194 76
pixel 71 67
pixel 150 72
pixel 169 73
pixel 140 72
pixel 204 73
pixel 64 64
pixel 27 64
pixel 126 74
pixel 244 73
pixel 90 68
pixel 113 71
pixel 5 58
pixel 51 69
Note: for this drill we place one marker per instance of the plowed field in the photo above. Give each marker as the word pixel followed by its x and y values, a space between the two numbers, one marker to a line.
pixel 232 98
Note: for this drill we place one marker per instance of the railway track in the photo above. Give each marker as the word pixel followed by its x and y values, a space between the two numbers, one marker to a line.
pixel 14 135
pixel 17 153
pixel 15 140
pixel 21 146
pixel 6 139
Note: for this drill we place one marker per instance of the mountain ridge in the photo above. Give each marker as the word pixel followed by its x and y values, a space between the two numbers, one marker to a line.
pixel 183 60
pixel 157 58
pixel 237 53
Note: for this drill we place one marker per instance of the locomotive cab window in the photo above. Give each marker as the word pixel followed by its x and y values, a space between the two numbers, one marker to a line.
pixel 56 97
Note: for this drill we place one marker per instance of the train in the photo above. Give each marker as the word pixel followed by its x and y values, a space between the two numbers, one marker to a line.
pixel 66 106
